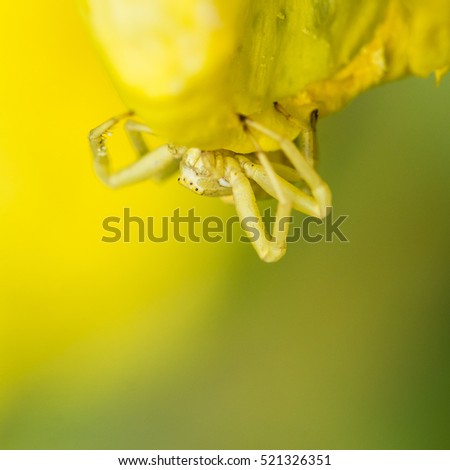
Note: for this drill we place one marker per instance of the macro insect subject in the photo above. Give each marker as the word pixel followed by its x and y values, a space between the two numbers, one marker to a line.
pixel 235 88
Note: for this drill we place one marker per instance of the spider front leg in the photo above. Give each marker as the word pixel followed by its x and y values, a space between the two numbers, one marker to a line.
pixel 155 164
pixel 269 250
pixel 135 131
pixel 319 189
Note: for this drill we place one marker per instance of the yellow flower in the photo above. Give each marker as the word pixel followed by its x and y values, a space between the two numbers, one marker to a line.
pixel 188 67
pixel 412 39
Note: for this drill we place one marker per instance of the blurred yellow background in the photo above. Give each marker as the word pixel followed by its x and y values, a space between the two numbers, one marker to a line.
pixel 202 345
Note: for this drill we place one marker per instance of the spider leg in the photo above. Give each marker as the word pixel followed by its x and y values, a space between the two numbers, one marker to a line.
pixel 307 140
pixel 265 162
pixel 135 130
pixel 319 188
pixel 286 172
pixel 268 249
pixel 300 200
pixel 155 164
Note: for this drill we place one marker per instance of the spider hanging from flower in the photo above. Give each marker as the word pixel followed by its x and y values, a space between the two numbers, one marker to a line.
pixel 235 88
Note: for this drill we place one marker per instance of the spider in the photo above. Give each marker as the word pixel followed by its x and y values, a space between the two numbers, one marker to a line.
pixel 224 173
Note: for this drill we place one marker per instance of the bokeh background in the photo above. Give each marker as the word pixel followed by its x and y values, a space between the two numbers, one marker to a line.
pixel 197 346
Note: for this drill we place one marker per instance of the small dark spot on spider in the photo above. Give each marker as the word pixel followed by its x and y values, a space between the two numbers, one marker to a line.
pixel 179 179
pixel 196 189
pixel 191 183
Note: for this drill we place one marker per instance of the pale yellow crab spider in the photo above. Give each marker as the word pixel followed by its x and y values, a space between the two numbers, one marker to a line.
pixel 224 173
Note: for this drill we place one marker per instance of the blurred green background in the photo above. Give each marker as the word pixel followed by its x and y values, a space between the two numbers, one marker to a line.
pixel 198 346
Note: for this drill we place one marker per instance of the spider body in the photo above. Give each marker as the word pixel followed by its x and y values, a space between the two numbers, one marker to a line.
pixel 204 173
